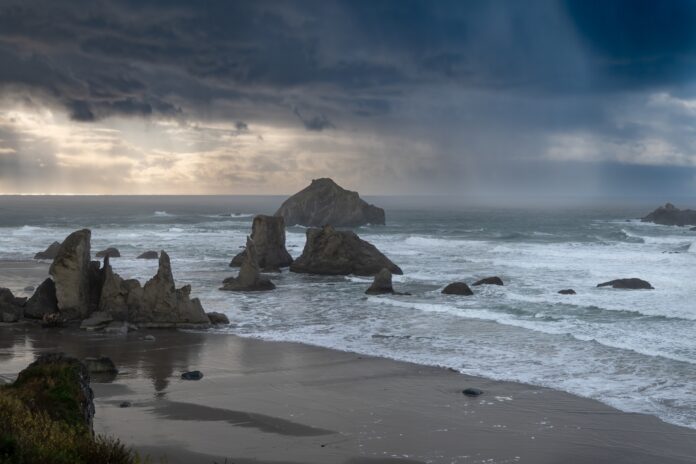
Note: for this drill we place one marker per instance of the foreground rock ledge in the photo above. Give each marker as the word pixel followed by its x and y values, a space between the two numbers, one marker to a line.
pixel 329 251
pixel 268 235
pixel 325 202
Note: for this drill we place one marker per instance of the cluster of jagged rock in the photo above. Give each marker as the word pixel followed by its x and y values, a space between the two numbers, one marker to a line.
pixel 80 289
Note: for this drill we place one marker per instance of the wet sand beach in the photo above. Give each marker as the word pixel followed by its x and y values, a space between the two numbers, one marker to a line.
pixel 291 403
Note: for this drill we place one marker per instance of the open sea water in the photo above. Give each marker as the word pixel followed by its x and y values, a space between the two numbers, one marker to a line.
pixel 634 350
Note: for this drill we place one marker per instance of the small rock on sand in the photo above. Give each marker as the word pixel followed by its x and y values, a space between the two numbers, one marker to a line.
pixel 472 391
pixel 192 375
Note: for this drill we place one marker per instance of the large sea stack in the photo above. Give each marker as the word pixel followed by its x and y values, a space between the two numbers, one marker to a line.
pixel 70 271
pixel 325 202
pixel 339 252
pixel 669 215
pixel 268 235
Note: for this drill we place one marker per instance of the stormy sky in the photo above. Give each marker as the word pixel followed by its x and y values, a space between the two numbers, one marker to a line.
pixel 465 98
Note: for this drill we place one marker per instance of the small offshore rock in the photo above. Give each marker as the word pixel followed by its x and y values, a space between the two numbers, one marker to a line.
pixel 125 404
pixel 567 291
pixel 111 252
pixel 630 284
pixel 218 318
pixel 457 288
pixel 381 284
pixel 49 253
pixel 148 255
pixel 472 391
pixel 192 375
pixel 495 280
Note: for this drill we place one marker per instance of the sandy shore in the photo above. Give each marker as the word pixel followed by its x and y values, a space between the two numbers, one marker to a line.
pixel 291 403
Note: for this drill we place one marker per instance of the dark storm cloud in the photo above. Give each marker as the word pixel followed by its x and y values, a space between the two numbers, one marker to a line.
pixel 479 82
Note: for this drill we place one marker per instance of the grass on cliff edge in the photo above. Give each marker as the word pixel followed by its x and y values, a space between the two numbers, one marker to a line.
pixel 41 422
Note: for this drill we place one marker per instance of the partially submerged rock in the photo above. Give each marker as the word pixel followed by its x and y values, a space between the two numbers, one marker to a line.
pixel 268 235
pixel 218 318
pixel 381 284
pixel 631 284
pixel 568 291
pixel 457 288
pixel 49 253
pixel 332 252
pixel 192 375
pixel 11 307
pixel 249 278
pixel 669 215
pixel 495 280
pixel 71 273
pixel 110 252
pixel 325 202
pixel 148 255
pixel 472 391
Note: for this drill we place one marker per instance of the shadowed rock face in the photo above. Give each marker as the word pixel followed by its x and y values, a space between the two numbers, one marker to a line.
pixel 43 301
pixel 332 252
pixel 249 278
pixel 669 215
pixel 457 288
pixel 11 307
pixel 268 235
pixel 325 202
pixel 49 253
pixel 381 284
pixel 71 273
pixel 158 304
pixel 631 284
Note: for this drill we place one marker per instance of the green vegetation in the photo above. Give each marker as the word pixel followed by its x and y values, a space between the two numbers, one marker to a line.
pixel 44 419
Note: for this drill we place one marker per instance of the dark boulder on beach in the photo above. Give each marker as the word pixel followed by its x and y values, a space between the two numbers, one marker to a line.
pixel 670 215
pixel 457 288
pixel 325 202
pixel 381 284
pixel 192 375
pixel 472 391
pixel 268 234
pixel 11 307
pixel 43 301
pixel 71 273
pixel 49 253
pixel 149 255
pixel 568 291
pixel 495 280
pixel 631 284
pixel 249 278
pixel 329 251
pixel 110 252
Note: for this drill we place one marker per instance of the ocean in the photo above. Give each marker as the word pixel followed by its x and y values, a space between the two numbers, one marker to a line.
pixel 634 350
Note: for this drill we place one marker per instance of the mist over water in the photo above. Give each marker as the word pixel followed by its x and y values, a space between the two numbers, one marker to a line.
pixel 634 350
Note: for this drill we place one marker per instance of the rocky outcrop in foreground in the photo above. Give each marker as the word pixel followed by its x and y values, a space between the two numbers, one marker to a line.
pixel 457 288
pixel 332 252
pixel 268 235
pixel 325 202
pixel 42 302
pixel 249 278
pixel 669 215
pixel 49 253
pixel 631 284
